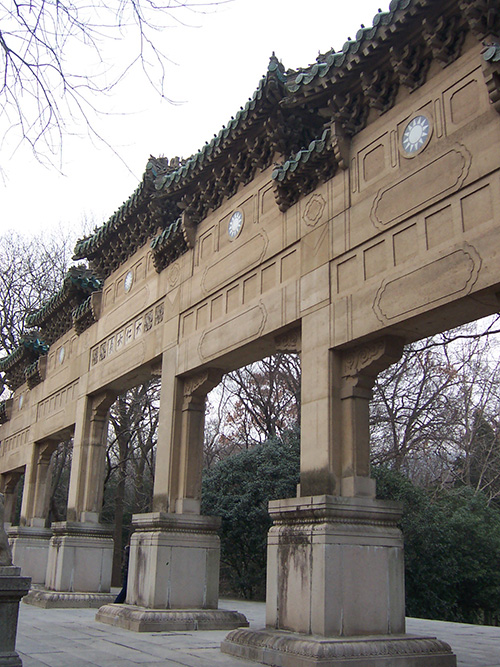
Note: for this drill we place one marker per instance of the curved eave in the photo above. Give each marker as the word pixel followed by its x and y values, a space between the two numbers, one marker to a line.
pixel 89 245
pixel 247 117
pixel 390 28
pixel 75 282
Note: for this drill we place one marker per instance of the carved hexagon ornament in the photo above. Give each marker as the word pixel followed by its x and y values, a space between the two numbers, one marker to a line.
pixel 314 209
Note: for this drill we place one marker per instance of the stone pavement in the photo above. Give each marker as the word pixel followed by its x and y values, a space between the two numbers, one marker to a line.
pixel 72 638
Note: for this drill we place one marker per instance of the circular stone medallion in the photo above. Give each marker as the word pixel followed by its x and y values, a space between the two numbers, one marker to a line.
pixel 416 135
pixel 235 225
pixel 127 283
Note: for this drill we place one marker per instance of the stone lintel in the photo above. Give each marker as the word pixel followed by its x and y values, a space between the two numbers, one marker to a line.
pixel 170 522
pixel 67 600
pixel 286 649
pixel 141 619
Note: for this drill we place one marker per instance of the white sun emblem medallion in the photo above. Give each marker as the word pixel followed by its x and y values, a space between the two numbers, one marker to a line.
pixel 235 225
pixel 129 279
pixel 416 135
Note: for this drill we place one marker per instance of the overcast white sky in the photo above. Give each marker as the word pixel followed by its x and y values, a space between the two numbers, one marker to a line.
pixel 216 65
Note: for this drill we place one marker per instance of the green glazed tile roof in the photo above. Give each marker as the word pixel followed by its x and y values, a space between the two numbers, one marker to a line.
pixel 30 348
pixel 275 75
pixel 340 86
pixel 317 147
pixel 338 64
pixel 161 175
pixel 492 53
pixel 78 280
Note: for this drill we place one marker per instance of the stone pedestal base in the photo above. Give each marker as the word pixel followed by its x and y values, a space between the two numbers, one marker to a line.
pixel 174 561
pixel 173 577
pixel 80 558
pixel 64 600
pixel 286 649
pixel 335 590
pixel 140 619
pixel 30 550
pixel 12 589
pixel 335 567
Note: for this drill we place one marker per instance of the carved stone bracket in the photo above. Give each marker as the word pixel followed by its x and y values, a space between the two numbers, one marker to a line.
pixel 291 341
pixel 483 16
pixel 87 313
pixel 188 229
pixel 380 89
pixel 340 144
pixel 100 404
pixel 361 365
pixel 45 451
pixel 411 64
pixel 349 112
pixel 35 372
pixel 444 38
pixel 198 385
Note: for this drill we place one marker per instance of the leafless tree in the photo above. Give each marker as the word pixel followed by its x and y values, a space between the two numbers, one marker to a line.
pixel 130 458
pixel 251 405
pixel 60 57
pixel 31 271
pixel 434 415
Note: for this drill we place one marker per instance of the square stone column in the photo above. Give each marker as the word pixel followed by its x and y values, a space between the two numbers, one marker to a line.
pixel 81 550
pixel 173 578
pixel 78 567
pixel 30 550
pixel 30 540
pixel 343 558
pixel 335 590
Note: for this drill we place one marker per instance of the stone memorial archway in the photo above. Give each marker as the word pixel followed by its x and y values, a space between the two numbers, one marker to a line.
pixel 346 210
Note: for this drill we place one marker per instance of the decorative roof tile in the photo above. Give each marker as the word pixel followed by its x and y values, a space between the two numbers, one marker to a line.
pixel 30 348
pixel 54 317
pixel 340 88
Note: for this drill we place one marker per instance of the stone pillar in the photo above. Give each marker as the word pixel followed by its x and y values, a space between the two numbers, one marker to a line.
pixel 86 484
pixel 358 369
pixel 12 588
pixel 173 580
pixel 81 549
pixel 335 568
pixel 30 540
pixel 8 486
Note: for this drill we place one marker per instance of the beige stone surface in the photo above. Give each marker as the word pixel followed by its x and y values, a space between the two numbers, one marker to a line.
pixel 343 559
pixel 30 551
pixel 80 558
pixel 174 562
pixel 384 247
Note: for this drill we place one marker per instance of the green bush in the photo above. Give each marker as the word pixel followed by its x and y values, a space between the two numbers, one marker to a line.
pixel 452 551
pixel 238 489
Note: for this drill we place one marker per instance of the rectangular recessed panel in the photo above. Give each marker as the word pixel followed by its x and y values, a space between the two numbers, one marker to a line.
pixel 439 227
pixel 268 277
pixel 405 244
pixel 477 208
pixel 375 260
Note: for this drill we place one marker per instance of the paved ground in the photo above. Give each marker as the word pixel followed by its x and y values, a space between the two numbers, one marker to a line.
pixel 72 638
